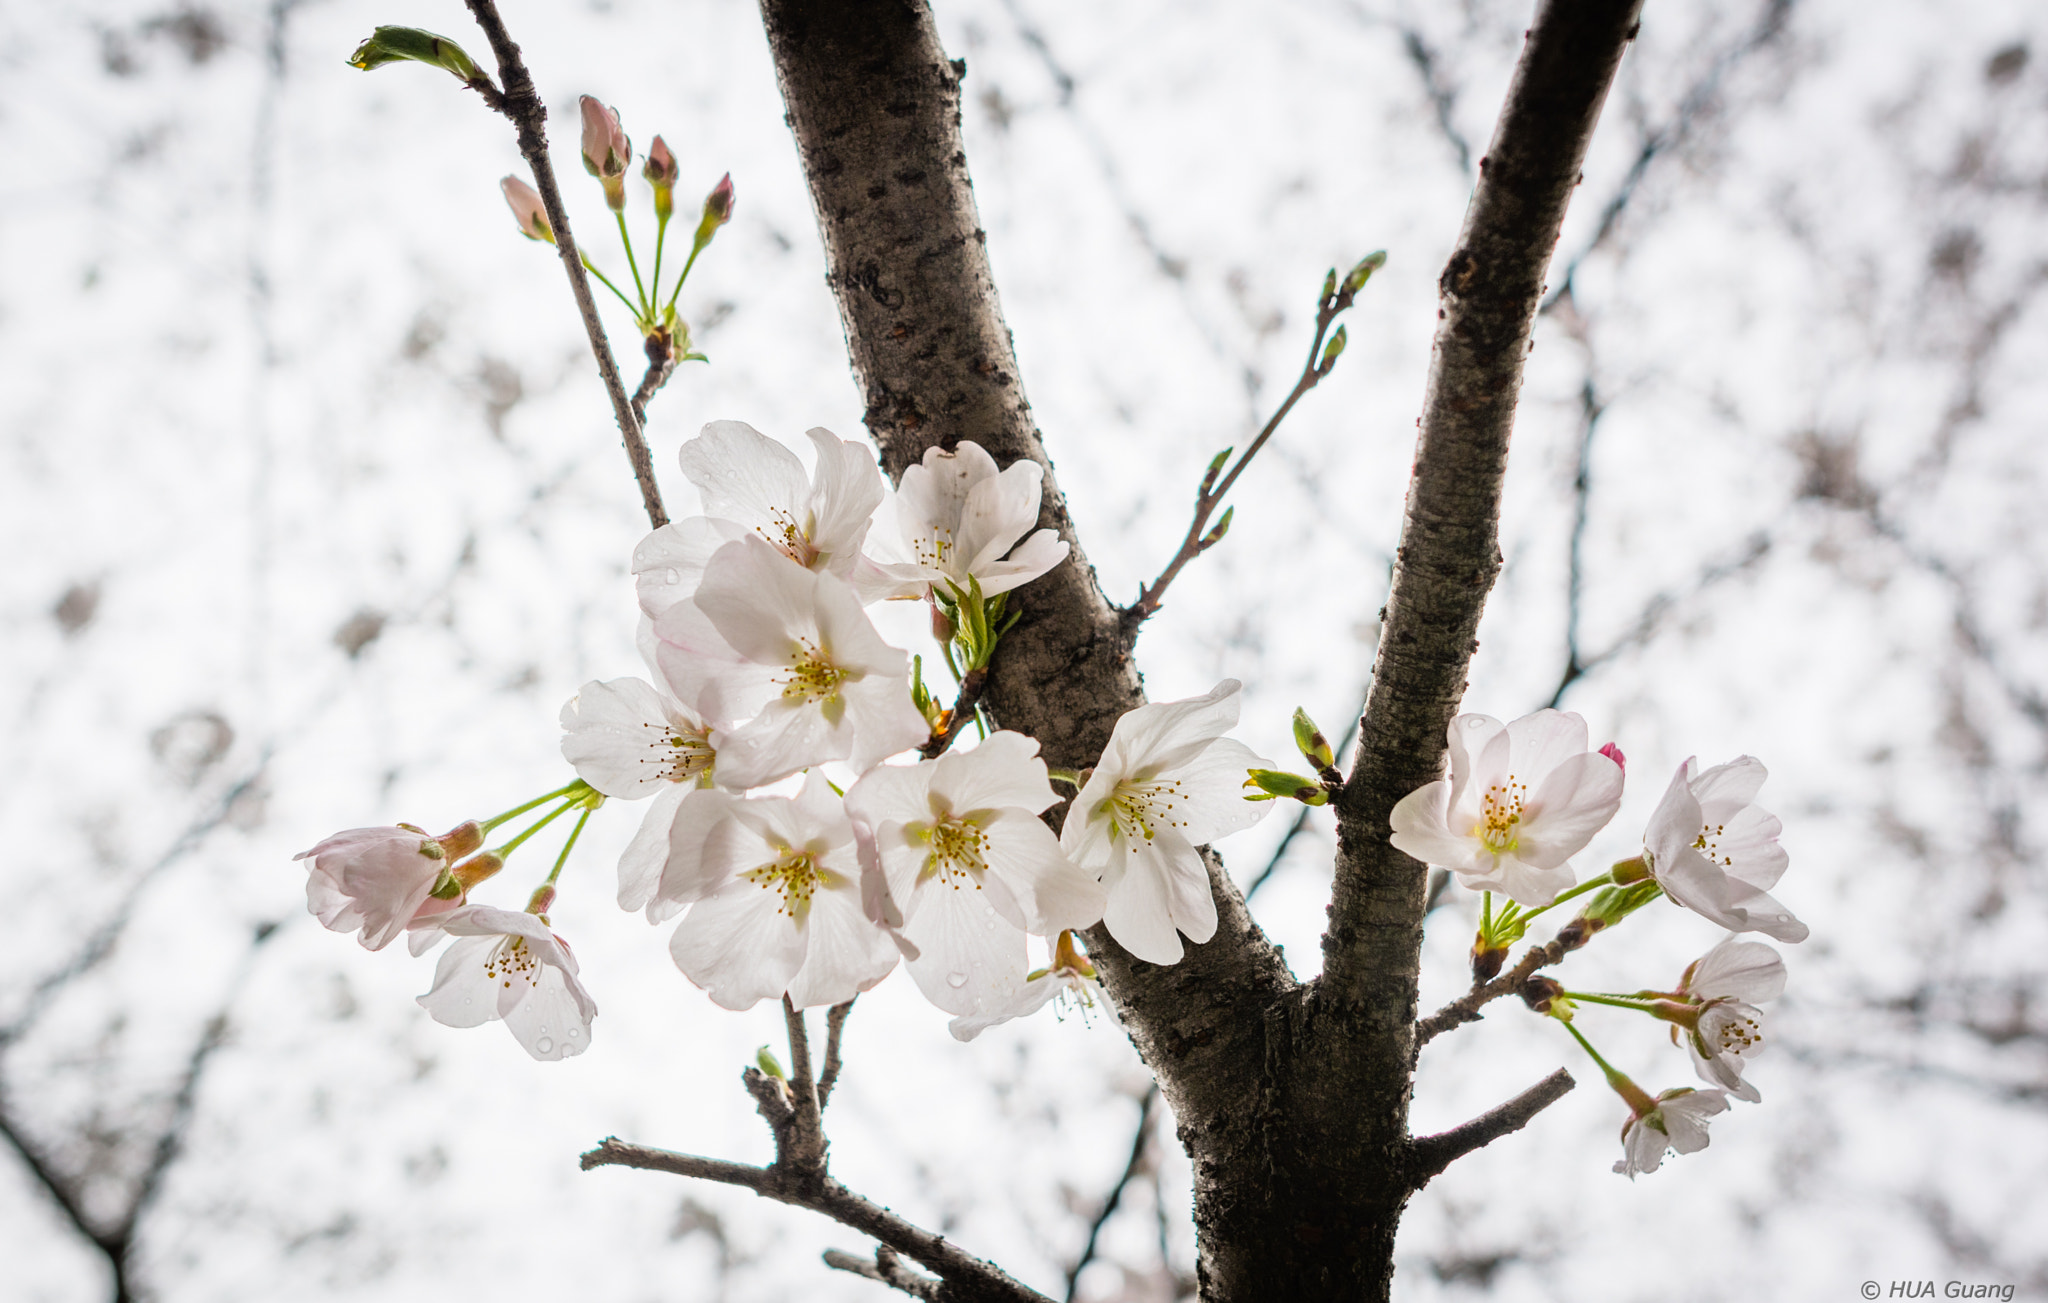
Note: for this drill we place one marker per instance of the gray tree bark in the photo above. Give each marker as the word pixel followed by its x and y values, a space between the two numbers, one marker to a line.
pixel 1292 1099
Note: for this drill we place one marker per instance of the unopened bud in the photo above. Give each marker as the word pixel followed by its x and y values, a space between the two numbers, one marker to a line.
pixel 1215 468
pixel 1577 933
pixel 660 171
pixel 606 150
pixel 1631 871
pixel 461 840
pixel 527 207
pixel 1355 279
pixel 942 624
pixel 399 44
pixel 767 1063
pixel 478 868
pixel 1539 992
pixel 1329 283
pixel 1487 959
pixel 1275 782
pixel 717 210
pixel 542 900
pixel 1215 536
pixel 1313 745
pixel 1613 752
pixel 1333 349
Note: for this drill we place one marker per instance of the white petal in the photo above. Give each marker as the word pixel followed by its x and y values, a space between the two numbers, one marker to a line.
pixel 553 1021
pixel 742 474
pixel 1522 882
pixel 848 954
pixel 1166 735
pixel 616 737
pixel 1213 791
pixel 463 995
pixel 1052 892
pixel 998 511
pixel 761 602
pixel 1676 822
pixel 884 720
pixel 1021 1001
pixel 1570 807
pixel 785 737
pixel 967 956
pixel 738 945
pixel 844 494
pixel 1749 971
pixel 1003 770
pixel 1541 742
pixel 1470 736
pixel 1030 559
pixel 640 863
pixel 1419 830
pixel 1725 789
pixel 669 563
pixel 690 871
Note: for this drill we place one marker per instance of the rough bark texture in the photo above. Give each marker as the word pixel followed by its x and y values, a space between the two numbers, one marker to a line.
pixel 1291 1100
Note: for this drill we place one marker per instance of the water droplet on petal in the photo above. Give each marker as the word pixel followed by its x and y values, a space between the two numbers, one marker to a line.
pixel 544 1046
pixel 956 980
pixel 672 576
pixel 574 1032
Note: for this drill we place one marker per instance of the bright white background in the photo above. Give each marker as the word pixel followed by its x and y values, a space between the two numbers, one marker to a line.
pixel 275 365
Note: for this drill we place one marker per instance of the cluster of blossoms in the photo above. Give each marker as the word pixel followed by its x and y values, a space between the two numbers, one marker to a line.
pixel 1522 799
pixel 764 669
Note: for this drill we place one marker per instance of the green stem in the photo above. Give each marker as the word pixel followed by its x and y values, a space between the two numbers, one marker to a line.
pixel 677 291
pixel 1617 1001
pixel 578 787
pixel 1606 1067
pixel 660 238
pixel 1486 914
pixel 568 846
pixel 592 269
pixel 505 851
pixel 1071 777
pixel 625 238
pixel 1604 880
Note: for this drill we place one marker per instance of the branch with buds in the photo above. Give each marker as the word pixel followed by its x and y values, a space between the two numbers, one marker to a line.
pixel 1336 297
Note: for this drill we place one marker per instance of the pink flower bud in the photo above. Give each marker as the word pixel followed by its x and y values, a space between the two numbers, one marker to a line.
pixel 718 204
pixel 1613 752
pixel 660 167
pixel 606 151
pixel 527 207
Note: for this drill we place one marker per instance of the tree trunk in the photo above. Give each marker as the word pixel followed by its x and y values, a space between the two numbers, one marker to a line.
pixel 1291 1100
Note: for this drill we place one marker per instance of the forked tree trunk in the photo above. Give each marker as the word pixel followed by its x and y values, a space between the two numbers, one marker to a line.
pixel 1292 1099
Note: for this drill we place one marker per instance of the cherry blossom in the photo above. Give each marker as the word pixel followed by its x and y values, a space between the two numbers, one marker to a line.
pixel 958 518
pixel 750 484
pixel 1070 979
pixel 1718 1016
pixel 1716 852
pixel 969 867
pixel 512 966
pixel 1168 781
pixel 1522 799
pixel 792 649
pixel 374 880
pixel 786 917
pixel 1674 1121
pixel 629 739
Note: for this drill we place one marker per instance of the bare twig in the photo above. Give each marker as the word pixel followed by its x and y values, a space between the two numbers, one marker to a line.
pixel 1200 537
pixel 1443 97
pixel 835 1027
pixel 1139 1144
pixel 888 1269
pixel 1466 1007
pixel 661 364
pixel 521 104
pixel 972 684
pixel 1429 1155
pixel 822 1194
pixel 802 1149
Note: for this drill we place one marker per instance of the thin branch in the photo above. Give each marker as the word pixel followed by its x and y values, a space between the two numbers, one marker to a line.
pixel 835 1026
pixel 802 1148
pixel 521 104
pixel 1466 1007
pixel 1139 1144
pixel 1429 1155
pixel 888 1269
pixel 661 364
pixel 1443 97
pixel 823 1194
pixel 1200 538
pixel 972 685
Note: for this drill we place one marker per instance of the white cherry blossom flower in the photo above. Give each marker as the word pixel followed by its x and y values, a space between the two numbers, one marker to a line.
pixel 375 880
pixel 969 867
pixel 1720 1022
pixel 1522 799
pixel 787 919
pixel 1168 781
pixel 1714 851
pixel 1070 979
pixel 1675 1121
pixel 751 484
pixel 629 739
pixel 512 966
pixel 958 516
pixel 792 649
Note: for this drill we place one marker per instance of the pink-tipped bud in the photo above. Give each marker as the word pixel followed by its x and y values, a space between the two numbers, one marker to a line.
pixel 463 839
pixel 717 210
pixel 526 206
pixel 1613 752
pixel 660 167
pixel 542 901
pixel 606 151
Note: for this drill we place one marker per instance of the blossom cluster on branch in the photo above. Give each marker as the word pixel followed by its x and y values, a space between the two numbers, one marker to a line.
pixel 1522 799
pixel 765 671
